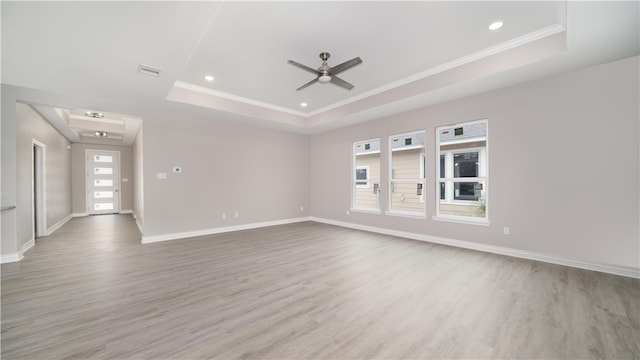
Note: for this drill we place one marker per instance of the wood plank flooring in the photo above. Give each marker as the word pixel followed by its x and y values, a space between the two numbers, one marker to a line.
pixel 302 291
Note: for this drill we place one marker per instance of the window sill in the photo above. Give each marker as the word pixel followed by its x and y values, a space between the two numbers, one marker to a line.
pixel 407 215
pixel 366 211
pixel 462 220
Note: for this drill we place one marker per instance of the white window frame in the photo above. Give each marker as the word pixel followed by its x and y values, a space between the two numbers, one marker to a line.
pixel 354 182
pixel 391 181
pixel 450 180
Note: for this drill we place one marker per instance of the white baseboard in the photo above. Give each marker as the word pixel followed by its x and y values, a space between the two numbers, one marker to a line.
pixel 182 235
pixel 530 255
pixel 9 258
pixel 79 214
pixel 126 211
pixel 26 246
pixel 14 257
pixel 57 225
pixel 140 227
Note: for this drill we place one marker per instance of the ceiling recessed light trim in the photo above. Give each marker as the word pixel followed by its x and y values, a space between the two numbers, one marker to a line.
pixel 303 104
pixel 495 25
pixel 209 77
pixel 94 114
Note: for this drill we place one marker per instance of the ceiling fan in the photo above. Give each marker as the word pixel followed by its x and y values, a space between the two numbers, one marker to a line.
pixel 326 73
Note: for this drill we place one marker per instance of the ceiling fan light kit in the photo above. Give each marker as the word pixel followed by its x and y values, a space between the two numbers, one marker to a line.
pixel 325 73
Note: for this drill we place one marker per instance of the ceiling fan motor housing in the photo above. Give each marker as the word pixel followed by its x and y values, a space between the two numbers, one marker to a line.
pixel 325 56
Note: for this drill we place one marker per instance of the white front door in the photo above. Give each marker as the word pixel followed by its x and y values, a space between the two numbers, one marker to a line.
pixel 103 181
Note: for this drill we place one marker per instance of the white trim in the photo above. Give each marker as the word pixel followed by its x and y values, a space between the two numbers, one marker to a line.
pixel 9 258
pixel 366 211
pixel 469 220
pixel 223 95
pixel 188 234
pixel 26 246
pixel 449 180
pixel 484 53
pixel 627 271
pixel 126 212
pixel 408 147
pixel 139 225
pixel 15 257
pixel 490 51
pixel 83 214
pixel 57 225
pixel 407 214
pixel 39 228
pixel 368 153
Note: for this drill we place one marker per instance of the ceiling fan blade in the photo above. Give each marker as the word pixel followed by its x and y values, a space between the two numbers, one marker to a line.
pixel 345 65
pixel 303 67
pixel 307 84
pixel 336 80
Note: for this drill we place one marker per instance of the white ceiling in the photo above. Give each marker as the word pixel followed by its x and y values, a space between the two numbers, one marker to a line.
pixel 414 53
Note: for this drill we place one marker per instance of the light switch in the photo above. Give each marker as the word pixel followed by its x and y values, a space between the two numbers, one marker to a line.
pixel 161 176
pixel 125 180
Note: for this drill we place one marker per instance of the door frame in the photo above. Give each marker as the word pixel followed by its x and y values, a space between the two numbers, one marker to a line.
pixel 116 154
pixel 38 186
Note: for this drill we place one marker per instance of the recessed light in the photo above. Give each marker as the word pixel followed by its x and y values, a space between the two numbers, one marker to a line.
pixel 304 104
pixel 496 25
pixel 208 77
pixel 94 114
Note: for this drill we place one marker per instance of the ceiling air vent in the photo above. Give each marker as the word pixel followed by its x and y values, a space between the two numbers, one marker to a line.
pixel 148 70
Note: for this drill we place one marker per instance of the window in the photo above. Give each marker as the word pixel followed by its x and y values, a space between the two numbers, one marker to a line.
pixel 462 169
pixel 362 173
pixel 407 174
pixel 366 176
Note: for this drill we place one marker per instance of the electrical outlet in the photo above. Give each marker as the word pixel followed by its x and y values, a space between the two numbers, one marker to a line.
pixel 237 214
pixel 224 216
pixel 301 208
pixel 507 230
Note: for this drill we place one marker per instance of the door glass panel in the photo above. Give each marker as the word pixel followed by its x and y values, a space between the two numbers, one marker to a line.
pixel 103 158
pixel 103 194
pixel 104 206
pixel 103 182
pixel 103 171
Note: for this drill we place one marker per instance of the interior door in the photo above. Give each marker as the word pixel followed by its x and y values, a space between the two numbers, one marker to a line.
pixel 103 182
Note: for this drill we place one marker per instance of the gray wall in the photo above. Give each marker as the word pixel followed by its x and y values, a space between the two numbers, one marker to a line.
pixel 8 245
pixel 227 167
pixel 30 125
pixel 79 175
pixel 563 166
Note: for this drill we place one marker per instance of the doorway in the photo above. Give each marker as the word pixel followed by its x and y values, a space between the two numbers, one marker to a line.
pixel 103 181
pixel 38 189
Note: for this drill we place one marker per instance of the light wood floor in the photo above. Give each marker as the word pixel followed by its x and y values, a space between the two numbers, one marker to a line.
pixel 302 291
